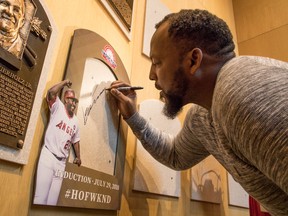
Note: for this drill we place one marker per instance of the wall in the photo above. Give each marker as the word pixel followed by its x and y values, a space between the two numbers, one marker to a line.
pixel 17 181
pixel 262 27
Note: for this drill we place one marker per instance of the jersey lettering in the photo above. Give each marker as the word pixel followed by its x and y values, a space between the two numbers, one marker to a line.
pixel 67 145
pixel 69 130
pixel 62 126
pixel 59 125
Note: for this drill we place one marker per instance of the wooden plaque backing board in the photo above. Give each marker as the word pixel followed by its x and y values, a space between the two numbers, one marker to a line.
pixel 97 184
pixel 87 45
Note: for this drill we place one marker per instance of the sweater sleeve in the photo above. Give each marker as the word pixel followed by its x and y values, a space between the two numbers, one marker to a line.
pixel 177 152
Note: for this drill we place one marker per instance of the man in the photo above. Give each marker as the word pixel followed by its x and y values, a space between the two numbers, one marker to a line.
pixel 239 112
pixel 11 21
pixel 62 132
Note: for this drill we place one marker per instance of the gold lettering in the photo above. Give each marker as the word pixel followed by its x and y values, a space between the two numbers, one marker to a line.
pixel 15 103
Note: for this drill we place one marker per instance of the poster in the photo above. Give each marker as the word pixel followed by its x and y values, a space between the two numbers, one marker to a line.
pixel 155 11
pixel 206 181
pixel 97 183
pixel 237 195
pixel 150 175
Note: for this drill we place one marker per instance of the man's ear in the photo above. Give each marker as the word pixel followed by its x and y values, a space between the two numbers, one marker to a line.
pixel 195 58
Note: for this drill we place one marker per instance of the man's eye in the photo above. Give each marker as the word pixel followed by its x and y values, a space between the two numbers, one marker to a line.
pixel 16 10
pixel 155 63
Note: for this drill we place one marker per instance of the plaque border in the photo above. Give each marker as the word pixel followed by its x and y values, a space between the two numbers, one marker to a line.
pixel 118 17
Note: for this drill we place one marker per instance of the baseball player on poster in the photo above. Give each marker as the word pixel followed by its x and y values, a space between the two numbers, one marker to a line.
pixel 62 133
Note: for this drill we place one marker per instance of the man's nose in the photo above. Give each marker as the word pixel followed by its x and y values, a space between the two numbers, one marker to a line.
pixel 152 74
pixel 9 9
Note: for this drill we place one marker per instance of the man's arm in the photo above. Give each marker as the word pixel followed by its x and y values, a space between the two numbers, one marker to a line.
pixel 179 153
pixel 76 147
pixel 54 90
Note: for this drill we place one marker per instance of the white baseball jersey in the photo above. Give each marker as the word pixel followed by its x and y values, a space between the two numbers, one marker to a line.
pixel 62 130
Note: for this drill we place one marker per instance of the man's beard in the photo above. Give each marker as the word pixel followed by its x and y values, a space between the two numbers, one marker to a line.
pixel 174 100
pixel 173 106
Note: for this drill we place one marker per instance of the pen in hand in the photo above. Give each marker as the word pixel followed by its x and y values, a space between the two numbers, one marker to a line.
pixel 127 88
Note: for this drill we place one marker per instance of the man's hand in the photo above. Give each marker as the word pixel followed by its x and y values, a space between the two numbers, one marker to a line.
pixel 126 100
pixel 77 161
pixel 54 90
pixel 68 83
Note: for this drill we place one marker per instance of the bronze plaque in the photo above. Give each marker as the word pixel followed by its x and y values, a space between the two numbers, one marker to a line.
pixel 24 39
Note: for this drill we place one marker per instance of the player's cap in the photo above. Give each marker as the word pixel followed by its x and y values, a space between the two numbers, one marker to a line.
pixel 69 93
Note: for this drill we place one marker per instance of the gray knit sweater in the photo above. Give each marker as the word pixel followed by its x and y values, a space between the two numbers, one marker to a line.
pixel 246 130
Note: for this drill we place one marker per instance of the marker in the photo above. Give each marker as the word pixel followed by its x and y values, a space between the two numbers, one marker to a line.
pixel 127 88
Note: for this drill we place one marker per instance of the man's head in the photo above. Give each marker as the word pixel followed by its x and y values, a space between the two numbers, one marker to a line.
pixel 181 43
pixel 201 29
pixel 70 101
pixel 12 16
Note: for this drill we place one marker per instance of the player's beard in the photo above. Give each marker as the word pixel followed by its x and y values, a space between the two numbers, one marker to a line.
pixel 174 100
pixel 70 109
